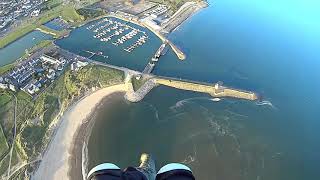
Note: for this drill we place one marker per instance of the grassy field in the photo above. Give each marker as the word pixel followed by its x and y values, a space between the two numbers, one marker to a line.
pixel 3 143
pixel 89 13
pixel 6 68
pixel 137 83
pixel 4 163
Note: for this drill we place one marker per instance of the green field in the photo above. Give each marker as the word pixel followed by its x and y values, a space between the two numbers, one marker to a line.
pixel 3 143
pixel 136 84
pixel 89 13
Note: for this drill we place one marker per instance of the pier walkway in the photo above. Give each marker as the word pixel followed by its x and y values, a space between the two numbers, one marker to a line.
pixel 154 60
pixel 214 90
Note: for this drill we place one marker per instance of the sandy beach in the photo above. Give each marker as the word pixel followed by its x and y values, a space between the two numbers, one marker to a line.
pixel 55 161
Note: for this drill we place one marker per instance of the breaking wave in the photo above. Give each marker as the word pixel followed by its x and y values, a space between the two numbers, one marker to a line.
pixel 85 160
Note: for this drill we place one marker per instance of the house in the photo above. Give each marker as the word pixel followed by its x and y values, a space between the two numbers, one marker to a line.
pixel 12 87
pixel 51 74
pixel 49 59
pixel 3 86
pixel 35 13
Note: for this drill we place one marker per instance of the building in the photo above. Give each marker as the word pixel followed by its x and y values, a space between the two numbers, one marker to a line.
pixel 3 86
pixel 51 74
pixel 12 87
pixel 49 59
pixel 75 66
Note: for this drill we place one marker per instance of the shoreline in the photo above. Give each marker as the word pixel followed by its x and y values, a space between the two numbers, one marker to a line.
pixel 64 139
pixel 78 162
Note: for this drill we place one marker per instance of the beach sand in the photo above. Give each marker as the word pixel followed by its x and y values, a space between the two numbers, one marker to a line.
pixel 56 160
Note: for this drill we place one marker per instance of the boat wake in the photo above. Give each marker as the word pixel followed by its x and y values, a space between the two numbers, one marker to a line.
pixel 156 113
pixel 265 103
pixel 191 158
pixel 189 100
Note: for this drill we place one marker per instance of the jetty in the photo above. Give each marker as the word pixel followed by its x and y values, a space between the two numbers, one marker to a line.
pixel 95 54
pixel 215 89
pixel 154 60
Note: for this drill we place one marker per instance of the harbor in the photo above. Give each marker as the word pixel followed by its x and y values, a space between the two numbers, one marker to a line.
pixel 120 34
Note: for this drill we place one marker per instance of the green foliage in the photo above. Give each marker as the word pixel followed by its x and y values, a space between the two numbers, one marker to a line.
pixel 90 13
pixel 71 15
pixel 51 109
pixel 3 143
pixel 137 83
pixel 4 99
pixel 4 163
pixel 33 135
pixel 4 69
pixel 50 4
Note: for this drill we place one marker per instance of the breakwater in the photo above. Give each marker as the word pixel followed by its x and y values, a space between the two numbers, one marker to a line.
pixel 215 90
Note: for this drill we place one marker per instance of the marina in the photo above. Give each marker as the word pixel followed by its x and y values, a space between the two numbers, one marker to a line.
pixel 108 29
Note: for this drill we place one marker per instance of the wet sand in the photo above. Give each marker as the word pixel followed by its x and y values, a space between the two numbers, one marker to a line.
pixel 66 145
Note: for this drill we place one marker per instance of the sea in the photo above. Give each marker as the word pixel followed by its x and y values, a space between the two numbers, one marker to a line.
pixel 270 47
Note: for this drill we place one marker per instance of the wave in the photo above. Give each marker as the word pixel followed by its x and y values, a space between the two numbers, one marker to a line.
pixel 85 160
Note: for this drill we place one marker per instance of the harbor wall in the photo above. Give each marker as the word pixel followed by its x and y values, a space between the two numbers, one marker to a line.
pixel 221 91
